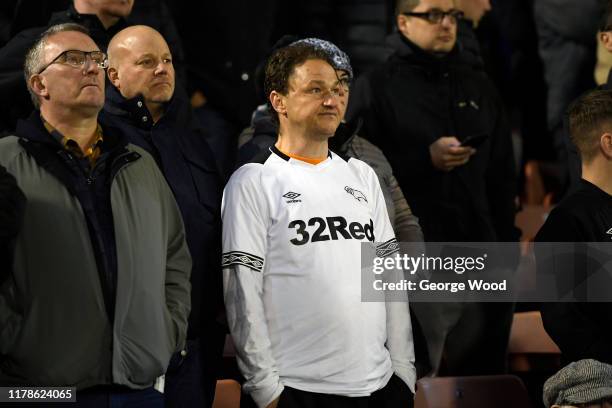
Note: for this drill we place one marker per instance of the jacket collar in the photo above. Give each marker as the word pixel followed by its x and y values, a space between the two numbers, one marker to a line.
pixel 135 110
pixel 407 50
pixel 33 129
pixel 132 110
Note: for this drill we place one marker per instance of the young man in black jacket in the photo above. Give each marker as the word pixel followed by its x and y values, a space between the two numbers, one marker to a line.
pixel 143 103
pixel 582 330
pixel 418 108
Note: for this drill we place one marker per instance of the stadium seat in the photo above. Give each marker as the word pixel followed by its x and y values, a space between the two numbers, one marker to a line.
pixel 227 394
pixel 496 391
pixel 530 347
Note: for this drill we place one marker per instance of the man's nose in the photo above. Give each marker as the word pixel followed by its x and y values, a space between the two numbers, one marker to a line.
pixel 448 21
pixel 331 99
pixel 90 66
pixel 161 68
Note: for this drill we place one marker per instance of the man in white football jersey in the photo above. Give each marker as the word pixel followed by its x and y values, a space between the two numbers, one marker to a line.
pixel 293 224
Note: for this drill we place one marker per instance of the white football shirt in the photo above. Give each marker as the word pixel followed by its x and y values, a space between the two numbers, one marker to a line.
pixel 292 234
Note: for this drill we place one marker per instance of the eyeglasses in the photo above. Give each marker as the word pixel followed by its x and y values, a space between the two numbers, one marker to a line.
pixel 345 83
pixel 77 59
pixel 435 16
pixel 340 89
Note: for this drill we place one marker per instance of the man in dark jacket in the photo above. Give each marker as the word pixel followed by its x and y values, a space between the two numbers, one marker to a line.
pixel 141 101
pixel 580 329
pixel 418 108
pixel 102 19
pixel 101 268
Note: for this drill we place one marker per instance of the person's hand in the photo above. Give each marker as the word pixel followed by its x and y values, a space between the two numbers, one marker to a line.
pixel 274 403
pixel 446 153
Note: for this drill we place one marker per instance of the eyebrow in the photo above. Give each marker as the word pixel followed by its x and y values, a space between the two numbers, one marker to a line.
pixel 437 9
pixel 151 55
pixel 321 82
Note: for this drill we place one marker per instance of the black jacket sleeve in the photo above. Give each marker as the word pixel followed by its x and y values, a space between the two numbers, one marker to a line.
pixel 12 203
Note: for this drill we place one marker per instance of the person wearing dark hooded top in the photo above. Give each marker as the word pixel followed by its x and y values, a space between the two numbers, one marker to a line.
pixel 418 107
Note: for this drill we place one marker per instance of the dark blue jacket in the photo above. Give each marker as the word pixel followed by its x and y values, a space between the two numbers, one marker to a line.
pixel 186 161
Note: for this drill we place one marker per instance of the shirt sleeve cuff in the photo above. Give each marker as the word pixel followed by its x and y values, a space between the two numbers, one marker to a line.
pixel 265 395
pixel 407 375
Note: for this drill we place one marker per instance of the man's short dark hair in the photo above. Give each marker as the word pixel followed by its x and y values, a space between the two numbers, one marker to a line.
pixel 589 117
pixel 283 62
pixel 405 6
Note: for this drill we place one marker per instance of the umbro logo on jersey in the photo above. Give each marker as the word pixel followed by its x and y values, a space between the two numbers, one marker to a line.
pixel 609 232
pixel 359 196
pixel 292 197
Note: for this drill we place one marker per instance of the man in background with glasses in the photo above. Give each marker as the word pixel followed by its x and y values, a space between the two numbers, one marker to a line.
pixel 440 123
pixel 98 297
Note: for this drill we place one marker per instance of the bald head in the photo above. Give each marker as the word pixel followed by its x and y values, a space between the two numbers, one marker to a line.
pixel 132 38
pixel 140 63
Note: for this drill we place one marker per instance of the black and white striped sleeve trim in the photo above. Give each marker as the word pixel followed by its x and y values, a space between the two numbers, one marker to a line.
pixel 242 258
pixel 387 248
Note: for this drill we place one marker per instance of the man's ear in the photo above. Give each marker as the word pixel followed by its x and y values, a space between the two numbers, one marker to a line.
pixel 605 145
pixel 277 100
pixel 401 20
pixel 402 24
pixel 606 40
pixel 38 86
pixel 113 76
